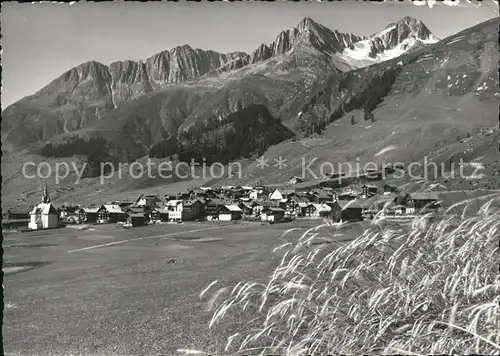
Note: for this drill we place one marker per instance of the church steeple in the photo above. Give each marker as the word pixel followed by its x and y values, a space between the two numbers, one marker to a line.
pixel 45 198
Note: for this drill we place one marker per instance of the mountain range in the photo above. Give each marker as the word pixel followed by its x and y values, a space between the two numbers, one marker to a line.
pixel 87 93
pixel 309 82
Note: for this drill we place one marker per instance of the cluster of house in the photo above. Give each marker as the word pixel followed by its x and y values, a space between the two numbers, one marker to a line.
pixel 254 203
pixel 259 203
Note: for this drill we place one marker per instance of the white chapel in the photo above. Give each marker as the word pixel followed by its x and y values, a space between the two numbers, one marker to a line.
pixel 44 215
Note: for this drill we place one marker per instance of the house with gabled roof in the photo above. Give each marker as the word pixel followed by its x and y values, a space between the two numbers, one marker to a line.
pixel 212 207
pixel 246 208
pixel 317 210
pixel 91 214
pixel 193 210
pixel 229 212
pixel 112 214
pixel 320 196
pixel 295 204
pixel 145 210
pixel 272 214
pixel 73 214
pixel 276 196
pixel 260 205
pixel 152 201
pixel 175 208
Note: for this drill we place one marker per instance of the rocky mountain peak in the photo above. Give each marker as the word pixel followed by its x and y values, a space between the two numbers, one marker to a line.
pixel 399 37
pixel 406 27
pixel 308 34
pixel 307 24
pixel 85 93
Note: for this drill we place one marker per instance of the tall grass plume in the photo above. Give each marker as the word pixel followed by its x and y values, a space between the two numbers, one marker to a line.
pixel 430 288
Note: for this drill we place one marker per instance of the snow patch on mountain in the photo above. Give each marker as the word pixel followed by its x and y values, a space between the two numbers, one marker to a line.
pixel 360 55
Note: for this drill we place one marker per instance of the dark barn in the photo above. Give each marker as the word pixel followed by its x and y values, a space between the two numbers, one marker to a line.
pixel 136 219
pixel 351 211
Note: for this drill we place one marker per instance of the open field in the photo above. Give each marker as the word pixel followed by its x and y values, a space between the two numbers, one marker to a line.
pixel 428 289
pixel 109 291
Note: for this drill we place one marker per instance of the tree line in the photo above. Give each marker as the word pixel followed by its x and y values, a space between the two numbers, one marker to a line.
pixel 247 132
pixel 96 150
pixel 368 99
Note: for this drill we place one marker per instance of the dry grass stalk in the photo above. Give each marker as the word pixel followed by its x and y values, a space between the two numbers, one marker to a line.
pixel 430 289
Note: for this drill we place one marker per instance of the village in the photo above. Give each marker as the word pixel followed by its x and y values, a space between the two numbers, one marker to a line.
pixel 338 199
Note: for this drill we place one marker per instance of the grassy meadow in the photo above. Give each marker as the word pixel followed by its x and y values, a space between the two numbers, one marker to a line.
pixel 431 287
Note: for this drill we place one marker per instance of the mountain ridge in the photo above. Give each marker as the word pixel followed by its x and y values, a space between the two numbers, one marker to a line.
pixel 170 58
pixel 433 97
pixel 84 96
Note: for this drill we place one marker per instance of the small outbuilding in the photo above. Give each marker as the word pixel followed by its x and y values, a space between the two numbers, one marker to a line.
pixel 91 215
pixel 423 200
pixel 17 214
pixel 114 214
pixel 369 190
pixel 136 219
pixel 163 214
pixel 272 214
pixel 351 211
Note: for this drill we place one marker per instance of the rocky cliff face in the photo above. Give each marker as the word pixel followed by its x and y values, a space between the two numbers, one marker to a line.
pixel 84 95
pixel 184 63
pixel 128 81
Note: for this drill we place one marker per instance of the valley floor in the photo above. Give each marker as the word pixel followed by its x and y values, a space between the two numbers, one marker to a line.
pixel 113 291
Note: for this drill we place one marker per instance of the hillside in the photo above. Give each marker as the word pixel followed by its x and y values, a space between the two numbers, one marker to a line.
pixel 432 98
pixel 427 99
pixel 83 96
pixel 420 103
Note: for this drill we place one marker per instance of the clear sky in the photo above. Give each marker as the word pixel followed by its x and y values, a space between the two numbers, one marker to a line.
pixel 42 41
